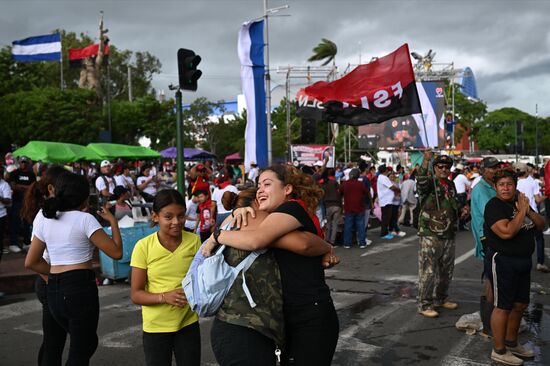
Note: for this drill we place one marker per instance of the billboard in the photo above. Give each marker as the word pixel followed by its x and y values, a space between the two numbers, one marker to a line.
pixel 408 131
pixel 310 154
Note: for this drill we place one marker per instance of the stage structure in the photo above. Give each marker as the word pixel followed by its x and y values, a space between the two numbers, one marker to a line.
pixel 309 73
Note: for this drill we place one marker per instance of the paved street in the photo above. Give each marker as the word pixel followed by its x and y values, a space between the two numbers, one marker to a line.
pixel 374 291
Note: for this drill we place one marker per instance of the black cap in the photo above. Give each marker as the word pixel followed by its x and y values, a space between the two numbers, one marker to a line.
pixel 443 159
pixel 489 162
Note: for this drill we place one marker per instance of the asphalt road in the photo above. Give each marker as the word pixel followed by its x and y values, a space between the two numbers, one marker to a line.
pixel 374 290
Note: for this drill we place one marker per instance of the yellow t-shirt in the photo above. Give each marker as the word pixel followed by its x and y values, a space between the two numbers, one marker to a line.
pixel 165 271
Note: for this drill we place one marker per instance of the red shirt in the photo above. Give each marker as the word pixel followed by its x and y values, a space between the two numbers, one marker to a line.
pixel 547 180
pixel 205 216
pixel 354 193
pixel 201 184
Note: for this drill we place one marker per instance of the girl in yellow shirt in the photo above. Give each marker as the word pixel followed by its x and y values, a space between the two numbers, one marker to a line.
pixel 159 263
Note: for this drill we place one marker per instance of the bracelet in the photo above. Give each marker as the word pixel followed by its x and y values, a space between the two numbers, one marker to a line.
pixel 216 235
pixel 163 299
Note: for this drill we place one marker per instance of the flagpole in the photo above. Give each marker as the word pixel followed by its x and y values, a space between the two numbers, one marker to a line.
pixel 61 61
pixel 427 147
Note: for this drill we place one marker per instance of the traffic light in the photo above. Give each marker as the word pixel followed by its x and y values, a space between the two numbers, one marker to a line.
pixel 187 69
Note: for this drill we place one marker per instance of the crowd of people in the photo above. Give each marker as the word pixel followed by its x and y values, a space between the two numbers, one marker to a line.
pixel 298 215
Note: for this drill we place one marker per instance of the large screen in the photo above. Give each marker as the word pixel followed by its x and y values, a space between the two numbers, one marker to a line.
pixel 408 131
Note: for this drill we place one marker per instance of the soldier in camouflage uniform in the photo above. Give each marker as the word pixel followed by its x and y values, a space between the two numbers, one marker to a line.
pixel 437 228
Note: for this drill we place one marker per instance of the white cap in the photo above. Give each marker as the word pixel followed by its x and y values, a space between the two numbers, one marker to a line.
pixel 105 163
pixel 460 166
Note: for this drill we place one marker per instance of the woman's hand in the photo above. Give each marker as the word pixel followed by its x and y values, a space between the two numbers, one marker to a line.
pixel 105 213
pixel 330 259
pixel 523 203
pixel 176 297
pixel 240 217
pixel 208 246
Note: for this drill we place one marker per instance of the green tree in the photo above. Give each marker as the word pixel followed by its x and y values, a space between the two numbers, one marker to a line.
pixel 21 76
pixel 50 114
pixel 468 112
pixel 497 131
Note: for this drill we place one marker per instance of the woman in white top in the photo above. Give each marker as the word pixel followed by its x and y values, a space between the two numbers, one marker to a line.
pixel 147 184
pixel 71 234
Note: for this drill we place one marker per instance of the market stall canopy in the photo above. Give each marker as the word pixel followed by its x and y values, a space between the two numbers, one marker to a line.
pixel 114 151
pixel 189 153
pixel 56 152
pixel 235 157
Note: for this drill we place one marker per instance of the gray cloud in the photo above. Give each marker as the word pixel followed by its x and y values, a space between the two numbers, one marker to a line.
pixel 505 42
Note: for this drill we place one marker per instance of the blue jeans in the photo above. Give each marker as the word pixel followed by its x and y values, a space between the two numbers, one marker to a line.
pixel 356 220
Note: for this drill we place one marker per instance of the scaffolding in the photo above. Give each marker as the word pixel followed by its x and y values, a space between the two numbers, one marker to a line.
pixel 308 73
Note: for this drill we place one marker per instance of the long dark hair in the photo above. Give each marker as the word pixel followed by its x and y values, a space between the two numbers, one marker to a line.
pixel 38 192
pixel 71 191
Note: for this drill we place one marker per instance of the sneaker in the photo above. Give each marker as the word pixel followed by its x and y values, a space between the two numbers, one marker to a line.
pixel 369 242
pixel 521 351
pixel 401 234
pixel 449 305
pixel 547 231
pixel 542 268
pixel 388 237
pixel 107 282
pixel 14 249
pixel 506 358
pixel 394 233
pixel 347 246
pixel 5 251
pixel 429 313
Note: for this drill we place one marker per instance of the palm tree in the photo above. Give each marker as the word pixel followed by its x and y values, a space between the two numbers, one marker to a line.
pixel 325 50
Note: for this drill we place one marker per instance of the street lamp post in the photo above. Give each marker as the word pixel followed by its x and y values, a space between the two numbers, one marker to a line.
pixel 268 77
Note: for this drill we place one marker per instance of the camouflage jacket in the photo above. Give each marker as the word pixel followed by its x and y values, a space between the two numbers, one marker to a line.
pixel 264 282
pixel 432 221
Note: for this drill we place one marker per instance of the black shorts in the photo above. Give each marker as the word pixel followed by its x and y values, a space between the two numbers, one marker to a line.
pixel 510 278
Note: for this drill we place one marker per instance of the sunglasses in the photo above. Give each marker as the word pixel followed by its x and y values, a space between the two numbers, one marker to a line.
pixel 442 166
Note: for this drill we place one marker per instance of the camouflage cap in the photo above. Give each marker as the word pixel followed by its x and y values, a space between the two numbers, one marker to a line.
pixel 443 159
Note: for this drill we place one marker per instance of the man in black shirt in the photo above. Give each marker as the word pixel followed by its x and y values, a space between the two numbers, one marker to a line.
pixel 20 181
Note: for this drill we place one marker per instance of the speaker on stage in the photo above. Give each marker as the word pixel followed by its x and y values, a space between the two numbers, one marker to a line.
pixel 368 142
pixel 308 131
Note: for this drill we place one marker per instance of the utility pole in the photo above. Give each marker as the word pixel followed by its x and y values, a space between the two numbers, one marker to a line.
pixel 536 134
pixel 267 87
pixel 268 78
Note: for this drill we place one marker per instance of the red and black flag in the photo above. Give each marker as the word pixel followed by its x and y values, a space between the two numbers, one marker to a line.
pixel 371 93
pixel 76 55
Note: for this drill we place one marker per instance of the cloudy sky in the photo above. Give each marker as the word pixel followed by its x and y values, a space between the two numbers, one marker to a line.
pixel 505 42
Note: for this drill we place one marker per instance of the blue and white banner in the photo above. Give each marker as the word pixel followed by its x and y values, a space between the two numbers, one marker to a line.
pixel 39 48
pixel 251 55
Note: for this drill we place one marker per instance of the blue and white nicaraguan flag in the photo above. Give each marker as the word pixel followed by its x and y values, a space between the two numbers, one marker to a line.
pixel 39 48
pixel 251 55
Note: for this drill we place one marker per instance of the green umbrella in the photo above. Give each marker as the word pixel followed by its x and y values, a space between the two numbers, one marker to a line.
pixel 114 151
pixel 56 152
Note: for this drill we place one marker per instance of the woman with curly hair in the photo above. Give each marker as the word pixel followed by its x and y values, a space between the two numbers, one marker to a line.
pixel 291 197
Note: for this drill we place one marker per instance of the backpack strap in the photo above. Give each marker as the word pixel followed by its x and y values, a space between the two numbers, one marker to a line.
pixel 243 266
